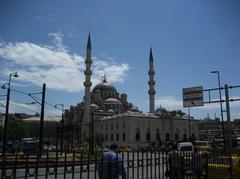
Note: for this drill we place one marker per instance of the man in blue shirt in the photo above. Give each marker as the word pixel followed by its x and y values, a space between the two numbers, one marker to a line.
pixel 111 165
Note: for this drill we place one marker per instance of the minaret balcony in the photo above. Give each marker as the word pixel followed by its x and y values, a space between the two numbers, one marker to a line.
pixel 88 72
pixel 150 72
pixel 88 61
pixel 151 82
pixel 151 92
pixel 87 84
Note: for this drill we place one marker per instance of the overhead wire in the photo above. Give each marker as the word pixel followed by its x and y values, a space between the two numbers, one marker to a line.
pixel 36 99
pixel 18 106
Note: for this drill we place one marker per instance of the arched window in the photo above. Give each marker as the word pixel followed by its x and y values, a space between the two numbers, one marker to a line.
pixel 193 137
pixel 176 137
pixel 185 137
pixel 148 136
pixel 137 134
pixel 167 136
pixel 123 136
pixel 111 137
pixel 117 137
pixel 157 135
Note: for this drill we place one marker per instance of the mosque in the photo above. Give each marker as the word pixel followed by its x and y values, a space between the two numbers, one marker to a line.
pixel 105 116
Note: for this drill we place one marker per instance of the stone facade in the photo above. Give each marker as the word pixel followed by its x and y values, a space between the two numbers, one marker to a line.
pixel 132 129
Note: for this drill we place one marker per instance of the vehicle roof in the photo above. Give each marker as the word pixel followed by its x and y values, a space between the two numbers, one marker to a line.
pixel 200 141
pixel 185 144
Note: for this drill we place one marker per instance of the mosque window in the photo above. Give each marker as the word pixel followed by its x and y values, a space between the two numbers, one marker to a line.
pixel 106 137
pixel 167 136
pixel 117 137
pixel 106 127
pixel 137 134
pixel 123 125
pixel 111 137
pixel 157 134
pixel 148 135
pixel 123 136
pixel 111 125
pixel 193 137
pixel 176 137
pixel 185 137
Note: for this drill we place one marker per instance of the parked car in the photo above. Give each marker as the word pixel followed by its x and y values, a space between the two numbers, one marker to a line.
pixel 223 167
pixel 202 146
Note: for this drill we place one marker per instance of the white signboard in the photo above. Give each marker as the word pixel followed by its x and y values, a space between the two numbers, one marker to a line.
pixel 192 96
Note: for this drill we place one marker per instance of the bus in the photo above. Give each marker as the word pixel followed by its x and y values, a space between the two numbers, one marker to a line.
pixel 29 145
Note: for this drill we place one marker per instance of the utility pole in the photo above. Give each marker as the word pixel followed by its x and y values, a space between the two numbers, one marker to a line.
pixel 6 123
pixel 14 74
pixel 62 129
pixel 221 107
pixel 229 128
pixel 189 123
pixel 62 125
pixel 42 120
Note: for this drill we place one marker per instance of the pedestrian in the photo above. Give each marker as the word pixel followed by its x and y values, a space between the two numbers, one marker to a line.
pixel 197 164
pixel 111 165
pixel 174 170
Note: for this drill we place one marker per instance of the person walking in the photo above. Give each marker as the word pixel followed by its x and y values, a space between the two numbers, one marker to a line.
pixel 197 164
pixel 111 165
pixel 174 164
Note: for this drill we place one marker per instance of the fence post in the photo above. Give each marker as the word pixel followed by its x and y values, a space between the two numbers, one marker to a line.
pixel 206 165
pixel 231 167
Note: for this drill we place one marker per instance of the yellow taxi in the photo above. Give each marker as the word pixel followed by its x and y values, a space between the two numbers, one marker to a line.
pixel 220 167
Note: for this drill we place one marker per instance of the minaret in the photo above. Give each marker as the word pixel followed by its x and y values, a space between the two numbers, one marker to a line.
pixel 87 84
pixel 151 83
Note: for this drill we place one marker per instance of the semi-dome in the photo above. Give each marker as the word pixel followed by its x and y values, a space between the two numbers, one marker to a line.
pixel 112 101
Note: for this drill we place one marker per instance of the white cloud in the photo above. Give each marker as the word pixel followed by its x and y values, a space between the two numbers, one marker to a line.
pixel 58 40
pixel 55 65
pixel 169 102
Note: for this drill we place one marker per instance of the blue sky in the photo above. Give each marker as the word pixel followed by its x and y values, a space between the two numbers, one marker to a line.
pixel 45 41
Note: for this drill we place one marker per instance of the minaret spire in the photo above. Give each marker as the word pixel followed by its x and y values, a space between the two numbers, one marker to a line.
pixel 151 55
pixel 89 46
pixel 87 84
pixel 151 83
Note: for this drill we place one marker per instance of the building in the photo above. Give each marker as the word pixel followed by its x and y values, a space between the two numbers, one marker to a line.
pixel 2 117
pixel 105 116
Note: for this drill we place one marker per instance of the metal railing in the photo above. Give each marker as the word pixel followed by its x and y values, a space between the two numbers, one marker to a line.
pixel 137 164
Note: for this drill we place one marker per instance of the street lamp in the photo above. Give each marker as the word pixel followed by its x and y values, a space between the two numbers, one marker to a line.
pixel 220 96
pixel 62 125
pixel 14 74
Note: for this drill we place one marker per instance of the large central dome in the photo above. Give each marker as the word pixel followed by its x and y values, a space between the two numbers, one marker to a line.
pixel 104 86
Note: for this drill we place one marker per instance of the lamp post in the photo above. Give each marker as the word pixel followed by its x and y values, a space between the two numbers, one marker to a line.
pixel 220 96
pixel 14 74
pixel 189 124
pixel 62 125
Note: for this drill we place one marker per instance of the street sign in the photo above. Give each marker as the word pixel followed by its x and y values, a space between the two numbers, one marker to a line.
pixel 193 96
